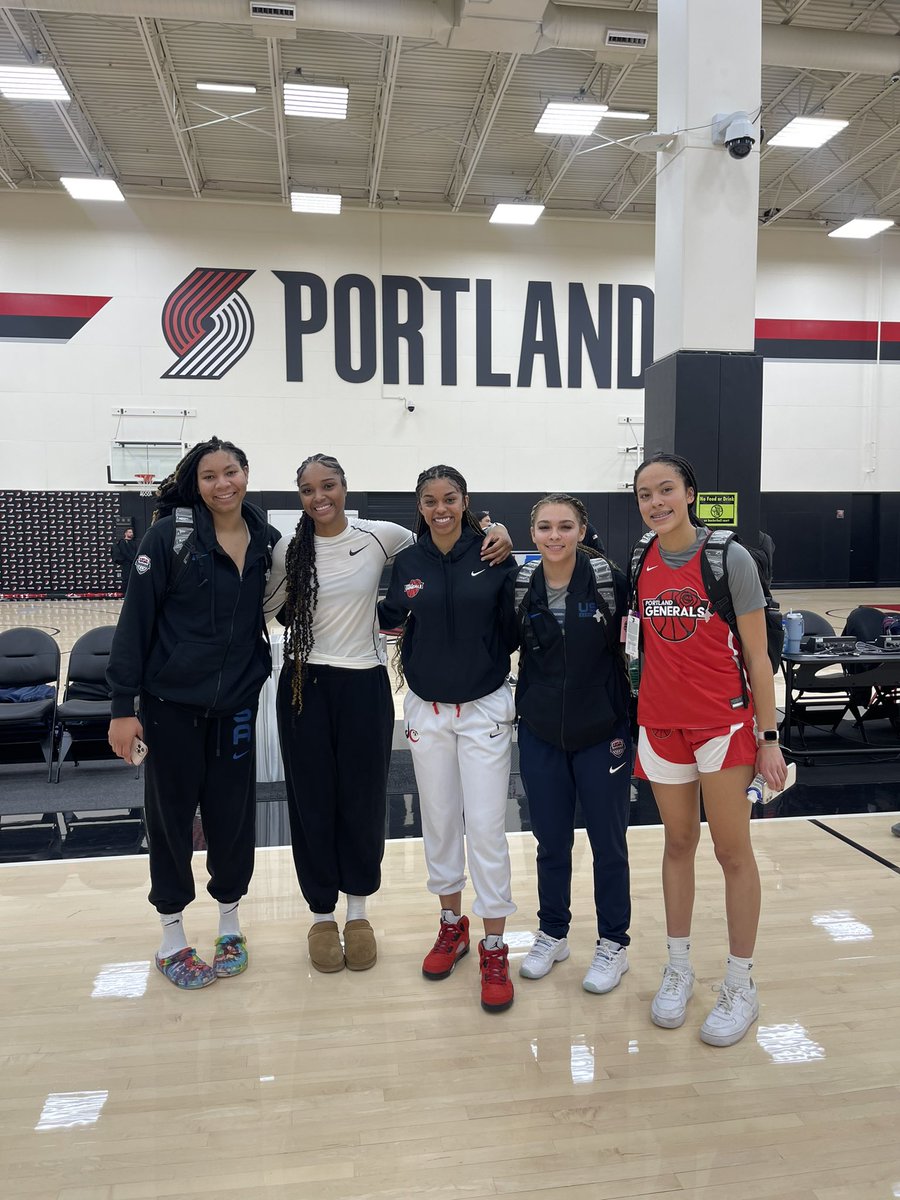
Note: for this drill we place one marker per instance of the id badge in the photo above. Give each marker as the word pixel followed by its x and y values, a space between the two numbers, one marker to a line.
pixel 632 634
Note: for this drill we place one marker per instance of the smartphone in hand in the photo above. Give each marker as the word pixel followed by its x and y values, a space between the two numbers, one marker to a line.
pixel 138 752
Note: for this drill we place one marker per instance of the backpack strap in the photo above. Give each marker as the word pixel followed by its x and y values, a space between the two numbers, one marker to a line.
pixel 638 555
pixel 714 572
pixel 524 576
pixel 605 589
pixel 182 546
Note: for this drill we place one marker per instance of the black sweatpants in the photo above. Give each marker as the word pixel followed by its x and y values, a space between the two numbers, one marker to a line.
pixel 211 761
pixel 599 777
pixel 336 752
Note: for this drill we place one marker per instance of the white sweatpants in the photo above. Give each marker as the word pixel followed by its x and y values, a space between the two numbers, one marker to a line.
pixel 461 755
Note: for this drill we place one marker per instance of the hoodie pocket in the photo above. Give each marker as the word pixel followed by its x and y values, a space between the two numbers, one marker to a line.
pixel 189 664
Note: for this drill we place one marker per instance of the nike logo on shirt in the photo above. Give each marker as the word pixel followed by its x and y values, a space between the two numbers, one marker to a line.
pixel 243 754
pixel 359 551
pixel 612 770
pixel 653 568
pixel 481 572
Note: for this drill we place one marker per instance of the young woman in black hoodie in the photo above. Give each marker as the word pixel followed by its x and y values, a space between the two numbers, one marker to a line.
pixel 574 738
pixel 459 631
pixel 190 646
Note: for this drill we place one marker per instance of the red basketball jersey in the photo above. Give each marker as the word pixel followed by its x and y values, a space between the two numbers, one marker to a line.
pixel 691 670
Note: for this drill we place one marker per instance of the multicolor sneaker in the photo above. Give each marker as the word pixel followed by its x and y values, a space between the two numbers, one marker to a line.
pixel 669 1006
pixel 496 985
pixel 543 954
pixel 451 944
pixel 732 1015
pixel 231 955
pixel 186 969
pixel 609 964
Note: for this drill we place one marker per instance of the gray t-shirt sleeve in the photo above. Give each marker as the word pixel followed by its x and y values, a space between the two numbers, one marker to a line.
pixel 743 581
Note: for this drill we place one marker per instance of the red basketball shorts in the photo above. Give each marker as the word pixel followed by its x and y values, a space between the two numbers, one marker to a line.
pixel 683 755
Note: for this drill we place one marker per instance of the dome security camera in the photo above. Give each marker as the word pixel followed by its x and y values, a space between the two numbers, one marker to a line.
pixel 735 132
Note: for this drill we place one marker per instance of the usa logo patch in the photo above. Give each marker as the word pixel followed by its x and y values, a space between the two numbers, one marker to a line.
pixel 617 747
pixel 142 564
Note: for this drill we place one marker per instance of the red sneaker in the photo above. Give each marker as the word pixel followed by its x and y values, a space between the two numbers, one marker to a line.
pixel 452 943
pixel 496 985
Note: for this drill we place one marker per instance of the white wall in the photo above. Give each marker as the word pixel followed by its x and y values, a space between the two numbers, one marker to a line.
pixel 57 399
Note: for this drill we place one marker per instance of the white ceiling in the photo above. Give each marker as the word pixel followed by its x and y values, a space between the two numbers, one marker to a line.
pixel 444 97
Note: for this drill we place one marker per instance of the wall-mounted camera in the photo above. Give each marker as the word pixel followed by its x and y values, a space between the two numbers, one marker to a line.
pixel 735 132
pixel 410 407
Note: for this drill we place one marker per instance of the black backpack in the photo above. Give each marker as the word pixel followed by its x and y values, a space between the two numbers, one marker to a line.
pixel 714 571
pixel 604 593
pixel 183 546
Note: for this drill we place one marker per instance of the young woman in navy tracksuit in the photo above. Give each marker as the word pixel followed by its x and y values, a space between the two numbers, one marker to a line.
pixel 190 644
pixel 574 736
pixel 459 631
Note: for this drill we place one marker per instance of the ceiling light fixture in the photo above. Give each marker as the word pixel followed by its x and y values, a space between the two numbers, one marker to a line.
pixel 516 214
pixel 90 188
pixel 313 100
pixel 316 202
pixel 808 133
pixel 211 86
pixel 580 120
pixel 31 83
pixel 861 227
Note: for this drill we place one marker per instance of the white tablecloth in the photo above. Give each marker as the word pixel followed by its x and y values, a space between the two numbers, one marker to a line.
pixel 269 767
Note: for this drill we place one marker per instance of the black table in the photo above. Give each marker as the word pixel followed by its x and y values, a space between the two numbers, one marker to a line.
pixel 865 685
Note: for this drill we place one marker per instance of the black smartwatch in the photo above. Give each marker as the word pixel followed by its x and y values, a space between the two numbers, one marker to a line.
pixel 767 736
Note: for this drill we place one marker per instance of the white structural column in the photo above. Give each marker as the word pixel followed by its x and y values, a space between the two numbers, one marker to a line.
pixel 706 201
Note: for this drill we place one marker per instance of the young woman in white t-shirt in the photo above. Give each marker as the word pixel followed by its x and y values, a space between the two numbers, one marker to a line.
pixel 335 711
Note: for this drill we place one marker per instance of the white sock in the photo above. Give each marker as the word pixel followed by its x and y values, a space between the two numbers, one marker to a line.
pixel 173 938
pixel 679 952
pixel 356 907
pixel 229 921
pixel 318 917
pixel 449 917
pixel 737 971
pixel 493 941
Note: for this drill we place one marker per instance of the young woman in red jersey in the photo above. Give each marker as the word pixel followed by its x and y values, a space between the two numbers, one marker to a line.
pixel 706 711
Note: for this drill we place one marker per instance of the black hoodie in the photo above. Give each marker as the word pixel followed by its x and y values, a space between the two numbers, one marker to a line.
pixel 572 689
pixel 201 643
pixel 461 624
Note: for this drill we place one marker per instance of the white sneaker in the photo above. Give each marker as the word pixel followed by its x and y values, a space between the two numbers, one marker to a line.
pixel 543 954
pixel 669 1005
pixel 732 1015
pixel 609 964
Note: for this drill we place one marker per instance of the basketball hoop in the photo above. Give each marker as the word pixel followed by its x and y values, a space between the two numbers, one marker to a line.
pixel 146 482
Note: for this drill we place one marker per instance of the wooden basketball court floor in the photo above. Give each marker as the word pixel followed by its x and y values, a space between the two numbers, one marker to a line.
pixel 284 1083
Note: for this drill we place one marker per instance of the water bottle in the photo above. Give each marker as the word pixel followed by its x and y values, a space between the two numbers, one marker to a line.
pixel 756 790
pixel 793 632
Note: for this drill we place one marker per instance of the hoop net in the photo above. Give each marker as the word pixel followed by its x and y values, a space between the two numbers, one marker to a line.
pixel 146 482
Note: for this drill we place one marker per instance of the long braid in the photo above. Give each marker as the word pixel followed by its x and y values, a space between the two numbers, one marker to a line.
pixel 180 490
pixel 302 587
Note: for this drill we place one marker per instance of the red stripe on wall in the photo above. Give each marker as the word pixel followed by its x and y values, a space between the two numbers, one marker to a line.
pixel 37 304
pixel 890 331
pixel 821 331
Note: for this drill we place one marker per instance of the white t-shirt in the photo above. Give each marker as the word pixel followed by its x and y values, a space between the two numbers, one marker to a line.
pixel 349 566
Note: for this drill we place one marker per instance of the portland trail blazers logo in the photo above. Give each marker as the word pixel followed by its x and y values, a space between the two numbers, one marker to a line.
pixel 207 323
pixel 674 613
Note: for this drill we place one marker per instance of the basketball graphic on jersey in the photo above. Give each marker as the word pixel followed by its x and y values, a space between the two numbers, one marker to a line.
pixel 412 588
pixel 674 613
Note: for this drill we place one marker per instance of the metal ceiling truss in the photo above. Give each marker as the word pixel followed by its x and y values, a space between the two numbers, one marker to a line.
pixel 384 98
pixel 163 69
pixel 276 82
pixel 87 139
pixel 566 145
pixel 494 86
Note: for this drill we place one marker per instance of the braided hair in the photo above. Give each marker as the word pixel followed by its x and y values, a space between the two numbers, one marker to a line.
pixel 442 471
pixel 682 467
pixel 302 585
pixel 180 489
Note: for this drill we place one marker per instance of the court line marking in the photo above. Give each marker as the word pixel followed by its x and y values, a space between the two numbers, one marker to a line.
pixel 856 846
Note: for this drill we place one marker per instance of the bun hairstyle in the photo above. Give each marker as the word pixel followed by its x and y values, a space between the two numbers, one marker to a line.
pixel 180 489
pixel 302 585
pixel 682 467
